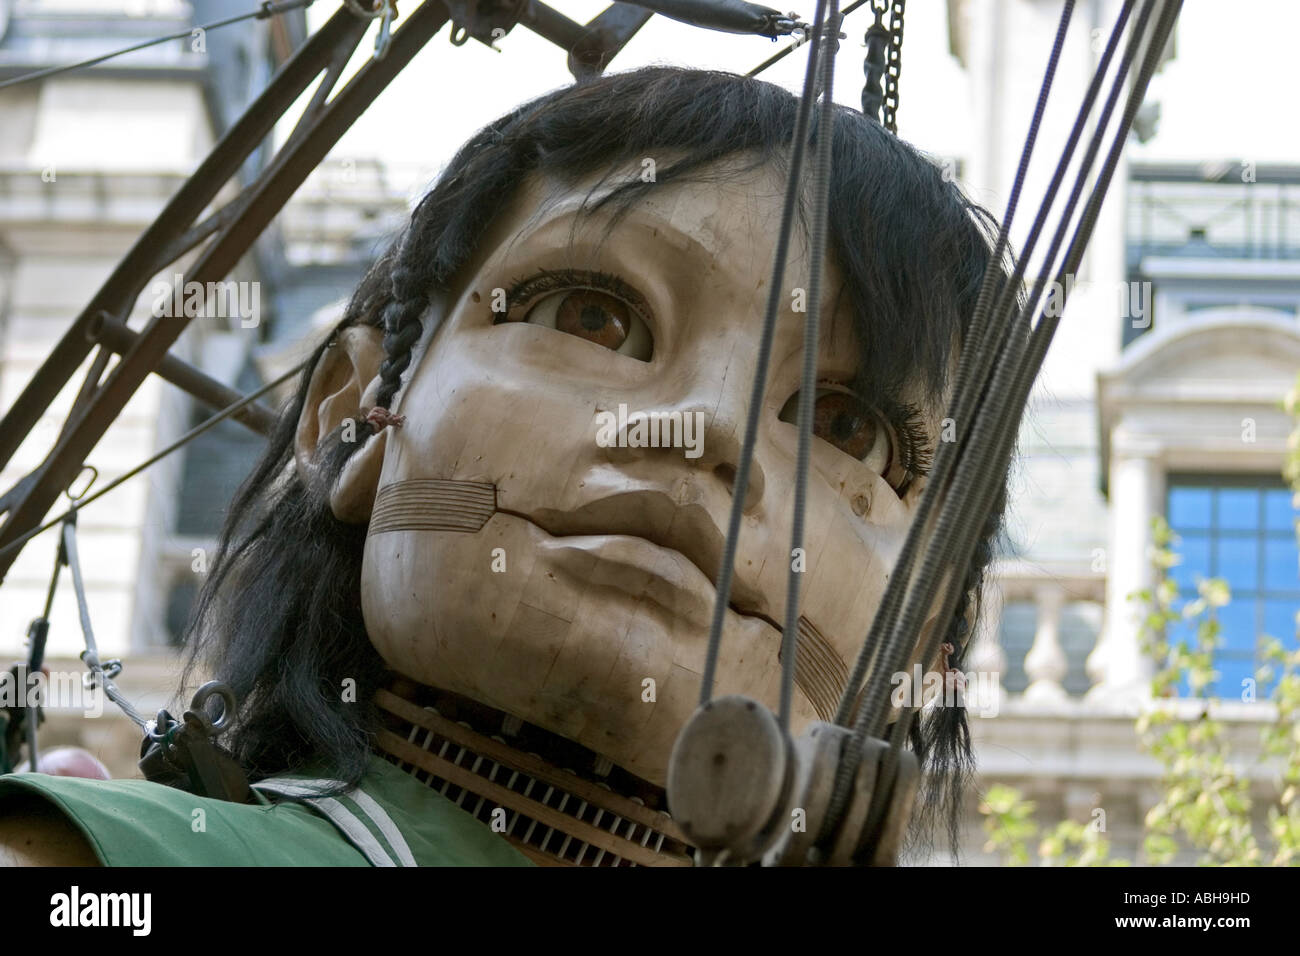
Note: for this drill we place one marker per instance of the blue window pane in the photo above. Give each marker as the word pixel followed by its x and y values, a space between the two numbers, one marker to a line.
pixel 1237 630
pixel 1195 554
pixel 1278 513
pixel 1239 508
pixel 1233 670
pixel 1236 560
pixel 1279 620
pixel 1281 570
pixel 1189 508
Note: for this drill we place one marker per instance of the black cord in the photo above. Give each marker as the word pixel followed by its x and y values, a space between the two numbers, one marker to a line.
pixel 185 439
pixel 265 10
pixel 990 426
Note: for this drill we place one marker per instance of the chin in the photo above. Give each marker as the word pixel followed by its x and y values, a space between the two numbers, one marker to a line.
pixel 599 643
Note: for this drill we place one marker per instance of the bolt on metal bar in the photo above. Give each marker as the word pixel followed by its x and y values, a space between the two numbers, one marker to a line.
pixel 116 337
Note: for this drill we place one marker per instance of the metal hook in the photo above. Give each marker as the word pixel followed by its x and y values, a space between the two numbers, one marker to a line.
pixel 384 13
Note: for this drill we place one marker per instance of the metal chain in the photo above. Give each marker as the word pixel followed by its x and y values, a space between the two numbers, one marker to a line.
pixel 895 65
pixel 884 61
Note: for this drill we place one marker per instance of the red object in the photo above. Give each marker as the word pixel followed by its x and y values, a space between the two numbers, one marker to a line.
pixel 381 418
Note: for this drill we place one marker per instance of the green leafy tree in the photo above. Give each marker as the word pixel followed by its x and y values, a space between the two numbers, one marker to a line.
pixel 1206 804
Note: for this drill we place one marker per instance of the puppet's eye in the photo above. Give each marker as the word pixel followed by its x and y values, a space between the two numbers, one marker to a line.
pixel 603 316
pixel 858 430
pixel 597 317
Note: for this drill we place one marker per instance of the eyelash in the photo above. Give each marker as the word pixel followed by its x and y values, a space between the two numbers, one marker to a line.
pixel 525 289
pixel 917 457
pixel 906 419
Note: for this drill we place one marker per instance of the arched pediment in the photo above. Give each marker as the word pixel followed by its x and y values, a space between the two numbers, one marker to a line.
pixel 1188 394
pixel 1242 346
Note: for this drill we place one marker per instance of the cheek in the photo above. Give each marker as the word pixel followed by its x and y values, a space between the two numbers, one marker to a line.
pixel 849 560
pixel 469 420
pixel 441 607
pixel 845 584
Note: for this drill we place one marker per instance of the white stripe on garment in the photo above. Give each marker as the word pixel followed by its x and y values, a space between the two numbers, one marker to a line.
pixel 379 816
pixel 345 820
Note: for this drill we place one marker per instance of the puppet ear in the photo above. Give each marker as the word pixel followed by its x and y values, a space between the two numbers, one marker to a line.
pixel 342 390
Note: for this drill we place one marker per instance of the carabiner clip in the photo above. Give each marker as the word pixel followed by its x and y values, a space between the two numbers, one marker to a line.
pixel 385 37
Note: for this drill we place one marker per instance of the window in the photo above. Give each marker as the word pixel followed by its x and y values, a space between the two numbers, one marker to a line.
pixel 1241 529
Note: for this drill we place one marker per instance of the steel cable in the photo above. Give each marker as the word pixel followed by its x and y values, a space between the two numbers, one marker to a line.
pixel 264 11
pixel 991 430
pixel 741 481
pixel 808 381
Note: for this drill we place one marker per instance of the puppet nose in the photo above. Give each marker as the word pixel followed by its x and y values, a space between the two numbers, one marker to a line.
pixel 727 469
pixel 720 453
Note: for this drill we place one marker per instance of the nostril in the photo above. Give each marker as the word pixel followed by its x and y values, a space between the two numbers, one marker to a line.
pixel 727 475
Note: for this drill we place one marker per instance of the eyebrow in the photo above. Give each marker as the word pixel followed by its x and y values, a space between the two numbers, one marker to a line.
pixel 590 205
pixel 577 209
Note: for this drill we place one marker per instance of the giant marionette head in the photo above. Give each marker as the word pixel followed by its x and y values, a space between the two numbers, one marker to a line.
pixel 569 328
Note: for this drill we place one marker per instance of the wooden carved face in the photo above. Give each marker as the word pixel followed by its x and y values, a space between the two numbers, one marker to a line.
pixel 534 545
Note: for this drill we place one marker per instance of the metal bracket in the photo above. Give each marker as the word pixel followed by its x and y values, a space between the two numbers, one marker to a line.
pixel 183 754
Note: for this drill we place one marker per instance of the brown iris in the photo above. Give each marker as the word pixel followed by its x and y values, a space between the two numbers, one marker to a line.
pixel 595 316
pixel 846 423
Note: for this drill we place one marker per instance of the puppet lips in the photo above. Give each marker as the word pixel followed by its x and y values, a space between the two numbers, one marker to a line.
pixel 667 579
pixel 688 522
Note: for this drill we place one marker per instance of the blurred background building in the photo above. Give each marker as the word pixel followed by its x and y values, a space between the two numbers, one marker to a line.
pixel 1161 396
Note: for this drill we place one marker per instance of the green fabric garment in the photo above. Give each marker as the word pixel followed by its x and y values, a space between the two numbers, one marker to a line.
pixel 138 823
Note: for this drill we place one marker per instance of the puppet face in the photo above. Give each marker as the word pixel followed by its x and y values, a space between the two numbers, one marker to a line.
pixel 535 546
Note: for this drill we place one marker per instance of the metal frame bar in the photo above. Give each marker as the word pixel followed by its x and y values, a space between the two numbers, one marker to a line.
pixel 114 337
pixel 325 122
pixel 229 233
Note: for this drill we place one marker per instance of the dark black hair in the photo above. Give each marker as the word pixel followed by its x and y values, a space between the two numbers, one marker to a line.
pixel 279 617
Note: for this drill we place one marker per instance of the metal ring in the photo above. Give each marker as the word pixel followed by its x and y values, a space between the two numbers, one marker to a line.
pixel 94 475
pixel 463 34
pixel 356 8
pixel 199 706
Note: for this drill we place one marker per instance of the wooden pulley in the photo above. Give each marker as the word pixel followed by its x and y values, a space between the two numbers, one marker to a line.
pixel 741 791
pixel 730 780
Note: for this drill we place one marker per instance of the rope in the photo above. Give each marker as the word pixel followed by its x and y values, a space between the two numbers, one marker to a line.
pixel 263 12
pixel 971 353
pixel 1024 374
pixel 989 425
pixel 994 430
